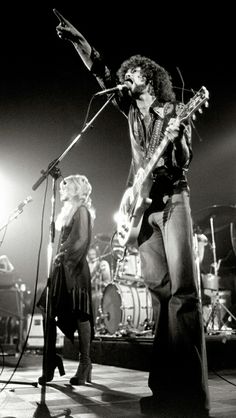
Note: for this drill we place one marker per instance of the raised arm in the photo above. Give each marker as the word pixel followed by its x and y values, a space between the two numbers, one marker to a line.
pixel 93 61
pixel 67 31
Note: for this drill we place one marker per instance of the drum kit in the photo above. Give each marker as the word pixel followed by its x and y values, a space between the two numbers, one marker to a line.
pixel 215 229
pixel 125 306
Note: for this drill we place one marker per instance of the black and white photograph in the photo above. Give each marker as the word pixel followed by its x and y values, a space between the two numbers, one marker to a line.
pixel 117 210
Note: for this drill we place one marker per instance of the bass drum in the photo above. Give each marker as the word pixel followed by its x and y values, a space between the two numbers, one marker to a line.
pixel 126 305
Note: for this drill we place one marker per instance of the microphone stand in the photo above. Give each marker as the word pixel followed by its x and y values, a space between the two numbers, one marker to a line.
pixel 13 215
pixel 60 158
pixel 11 218
pixel 42 410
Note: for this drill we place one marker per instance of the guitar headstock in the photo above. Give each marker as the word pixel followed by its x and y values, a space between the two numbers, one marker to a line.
pixel 195 104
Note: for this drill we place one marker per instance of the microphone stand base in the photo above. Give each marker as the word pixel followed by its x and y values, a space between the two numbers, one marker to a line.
pixel 42 411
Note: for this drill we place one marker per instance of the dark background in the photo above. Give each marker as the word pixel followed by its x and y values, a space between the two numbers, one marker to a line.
pixel 45 92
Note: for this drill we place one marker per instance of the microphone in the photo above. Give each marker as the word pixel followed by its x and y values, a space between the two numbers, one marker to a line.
pixel 119 87
pixel 23 203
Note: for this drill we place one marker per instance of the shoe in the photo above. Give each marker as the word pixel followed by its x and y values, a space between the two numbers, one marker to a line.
pixel 50 371
pixel 83 375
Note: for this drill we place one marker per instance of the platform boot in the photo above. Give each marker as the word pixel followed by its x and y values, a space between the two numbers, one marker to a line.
pixel 83 373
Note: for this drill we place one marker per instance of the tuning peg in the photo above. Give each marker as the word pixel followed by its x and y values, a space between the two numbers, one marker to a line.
pixel 194 116
pixel 206 104
pixel 200 110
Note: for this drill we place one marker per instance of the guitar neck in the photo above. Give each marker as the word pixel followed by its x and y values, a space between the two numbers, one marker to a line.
pixel 151 164
pixel 155 157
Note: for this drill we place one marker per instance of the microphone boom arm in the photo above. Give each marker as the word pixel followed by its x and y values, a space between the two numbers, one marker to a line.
pixel 55 162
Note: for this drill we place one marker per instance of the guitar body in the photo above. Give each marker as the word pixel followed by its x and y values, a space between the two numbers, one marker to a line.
pixel 130 217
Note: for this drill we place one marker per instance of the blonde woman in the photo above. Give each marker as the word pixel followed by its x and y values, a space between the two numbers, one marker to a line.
pixel 70 302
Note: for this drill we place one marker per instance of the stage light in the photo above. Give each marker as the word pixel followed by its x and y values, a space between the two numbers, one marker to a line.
pixel 116 217
pixel 4 209
pixel 8 194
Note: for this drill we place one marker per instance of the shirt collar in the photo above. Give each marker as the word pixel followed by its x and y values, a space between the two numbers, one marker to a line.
pixel 157 108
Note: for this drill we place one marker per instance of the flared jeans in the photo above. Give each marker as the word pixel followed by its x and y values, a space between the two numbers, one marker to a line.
pixel 178 369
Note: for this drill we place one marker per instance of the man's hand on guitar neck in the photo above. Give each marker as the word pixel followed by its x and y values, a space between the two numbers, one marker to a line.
pixel 173 128
pixel 179 135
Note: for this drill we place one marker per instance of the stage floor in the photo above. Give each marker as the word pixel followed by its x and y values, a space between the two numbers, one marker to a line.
pixel 114 391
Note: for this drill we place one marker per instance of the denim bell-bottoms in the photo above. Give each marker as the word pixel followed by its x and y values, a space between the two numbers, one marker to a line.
pixel 178 367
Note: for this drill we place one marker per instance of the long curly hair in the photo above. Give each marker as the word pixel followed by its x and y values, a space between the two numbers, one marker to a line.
pixel 78 191
pixel 158 77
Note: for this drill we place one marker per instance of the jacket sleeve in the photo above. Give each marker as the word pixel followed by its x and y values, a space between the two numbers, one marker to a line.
pixel 182 149
pixel 74 247
pixel 108 79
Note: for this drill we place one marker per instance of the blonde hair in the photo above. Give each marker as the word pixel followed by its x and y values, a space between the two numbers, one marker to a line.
pixel 78 193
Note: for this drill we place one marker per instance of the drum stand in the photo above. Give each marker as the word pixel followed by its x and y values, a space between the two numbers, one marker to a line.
pixel 215 317
pixel 197 259
pixel 99 323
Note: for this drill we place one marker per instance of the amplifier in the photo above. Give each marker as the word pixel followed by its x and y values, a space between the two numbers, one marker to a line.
pixel 36 339
pixel 10 302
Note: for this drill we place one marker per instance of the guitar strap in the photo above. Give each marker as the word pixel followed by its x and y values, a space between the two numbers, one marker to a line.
pixel 156 133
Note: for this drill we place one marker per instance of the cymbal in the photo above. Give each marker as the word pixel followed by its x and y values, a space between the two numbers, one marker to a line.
pixel 222 216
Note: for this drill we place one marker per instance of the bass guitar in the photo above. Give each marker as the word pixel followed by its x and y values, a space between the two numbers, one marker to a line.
pixel 133 204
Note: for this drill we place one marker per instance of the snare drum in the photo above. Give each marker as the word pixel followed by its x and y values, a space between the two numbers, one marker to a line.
pixel 126 305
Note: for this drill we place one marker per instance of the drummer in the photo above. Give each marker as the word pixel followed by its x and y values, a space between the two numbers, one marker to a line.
pixel 99 269
pixel 7 272
pixel 100 277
